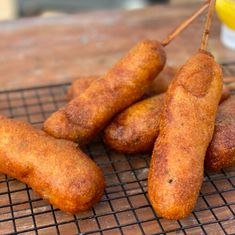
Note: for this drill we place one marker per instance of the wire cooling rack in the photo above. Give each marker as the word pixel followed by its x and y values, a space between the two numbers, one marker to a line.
pixel 125 207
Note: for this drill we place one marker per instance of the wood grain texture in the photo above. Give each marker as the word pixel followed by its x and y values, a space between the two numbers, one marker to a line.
pixel 53 50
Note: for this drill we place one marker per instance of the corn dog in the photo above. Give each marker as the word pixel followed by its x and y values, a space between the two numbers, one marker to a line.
pixel 136 128
pixel 125 83
pixel 159 84
pixel 186 129
pixel 55 169
pixel 221 151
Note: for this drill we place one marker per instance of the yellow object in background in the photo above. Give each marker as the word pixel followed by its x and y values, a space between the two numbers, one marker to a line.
pixel 8 9
pixel 226 12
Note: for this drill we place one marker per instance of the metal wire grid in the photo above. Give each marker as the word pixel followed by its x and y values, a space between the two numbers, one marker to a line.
pixel 124 208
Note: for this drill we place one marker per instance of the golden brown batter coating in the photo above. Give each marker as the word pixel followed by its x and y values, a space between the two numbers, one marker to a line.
pixel 186 129
pixel 135 129
pixel 159 84
pixel 79 86
pixel 221 151
pixel 124 83
pixel 56 169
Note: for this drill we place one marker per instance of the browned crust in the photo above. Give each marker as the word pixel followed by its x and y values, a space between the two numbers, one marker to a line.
pixel 125 83
pixel 159 85
pixel 186 129
pixel 136 128
pixel 221 151
pixel 56 169
pixel 79 86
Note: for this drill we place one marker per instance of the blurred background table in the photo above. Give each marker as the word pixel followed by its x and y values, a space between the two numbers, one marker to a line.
pixel 41 51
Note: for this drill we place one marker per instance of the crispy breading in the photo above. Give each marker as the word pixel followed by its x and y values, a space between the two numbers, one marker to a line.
pixel 135 129
pixel 124 84
pixel 186 129
pixel 159 84
pixel 55 169
pixel 221 151
pixel 79 85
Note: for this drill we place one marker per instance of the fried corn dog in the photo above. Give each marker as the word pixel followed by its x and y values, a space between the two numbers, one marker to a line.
pixel 159 84
pixel 55 169
pixel 221 151
pixel 125 83
pixel 186 129
pixel 136 128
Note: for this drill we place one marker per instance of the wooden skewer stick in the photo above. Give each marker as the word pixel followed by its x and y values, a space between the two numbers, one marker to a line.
pixel 185 24
pixel 207 26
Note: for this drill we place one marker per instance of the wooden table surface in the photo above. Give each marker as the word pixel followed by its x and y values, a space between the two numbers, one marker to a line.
pixel 40 51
